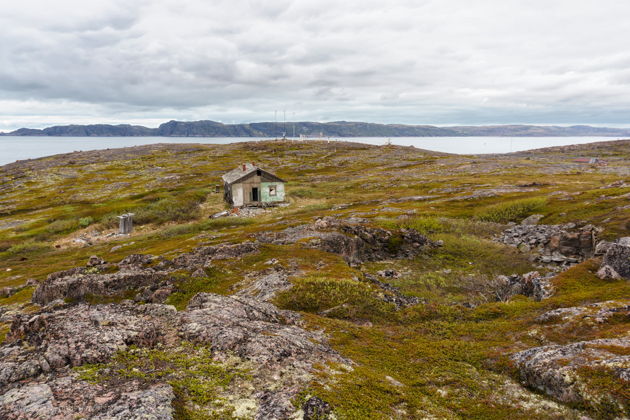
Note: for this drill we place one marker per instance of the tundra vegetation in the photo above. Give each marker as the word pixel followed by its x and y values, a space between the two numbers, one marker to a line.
pixel 448 356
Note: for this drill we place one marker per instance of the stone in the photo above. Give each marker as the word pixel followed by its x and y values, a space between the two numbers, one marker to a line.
pixel 606 272
pixel 220 214
pixel 617 259
pixel 532 220
pixel 316 409
pixel 94 261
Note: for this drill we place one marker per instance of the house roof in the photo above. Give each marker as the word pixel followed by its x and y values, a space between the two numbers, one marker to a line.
pixel 243 171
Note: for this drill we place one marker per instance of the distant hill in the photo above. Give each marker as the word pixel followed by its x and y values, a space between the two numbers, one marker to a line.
pixel 208 128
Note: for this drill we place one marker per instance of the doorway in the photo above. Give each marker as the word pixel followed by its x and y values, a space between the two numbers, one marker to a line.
pixel 255 194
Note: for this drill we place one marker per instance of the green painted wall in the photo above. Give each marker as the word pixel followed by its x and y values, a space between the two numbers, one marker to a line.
pixel 264 194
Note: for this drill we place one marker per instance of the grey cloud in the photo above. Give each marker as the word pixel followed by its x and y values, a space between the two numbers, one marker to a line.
pixel 443 62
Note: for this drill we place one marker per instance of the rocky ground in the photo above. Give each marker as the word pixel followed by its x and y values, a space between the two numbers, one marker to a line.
pixel 396 283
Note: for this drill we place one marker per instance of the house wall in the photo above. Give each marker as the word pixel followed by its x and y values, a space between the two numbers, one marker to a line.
pixel 242 191
pixel 266 198
pixel 248 184
pixel 237 195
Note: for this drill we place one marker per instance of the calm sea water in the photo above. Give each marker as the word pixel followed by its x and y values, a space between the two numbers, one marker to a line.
pixel 19 148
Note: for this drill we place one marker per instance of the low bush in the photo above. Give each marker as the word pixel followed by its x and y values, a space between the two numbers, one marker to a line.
pixel 86 221
pixel 511 211
pixel 426 225
pixel 340 298
pixel 63 226
pixel 27 247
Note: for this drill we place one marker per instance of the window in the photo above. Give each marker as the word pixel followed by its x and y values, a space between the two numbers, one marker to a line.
pixel 272 190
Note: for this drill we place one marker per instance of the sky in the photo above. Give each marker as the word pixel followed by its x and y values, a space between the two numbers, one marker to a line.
pixel 442 62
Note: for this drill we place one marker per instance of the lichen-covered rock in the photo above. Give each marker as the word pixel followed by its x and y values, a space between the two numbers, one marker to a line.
pixel 68 398
pixel 42 347
pixel 252 329
pixel 76 335
pixel 616 261
pixel 564 372
pixel 203 256
pixel 264 285
pixel 258 332
pixel 598 313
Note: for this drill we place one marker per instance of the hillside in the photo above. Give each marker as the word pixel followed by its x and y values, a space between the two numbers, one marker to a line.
pixel 396 283
pixel 329 129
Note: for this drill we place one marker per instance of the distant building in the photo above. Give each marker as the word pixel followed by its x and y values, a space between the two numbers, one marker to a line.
pixel 249 185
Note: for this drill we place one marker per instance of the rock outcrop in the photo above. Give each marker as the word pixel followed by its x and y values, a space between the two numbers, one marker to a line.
pixel 559 245
pixel 574 372
pixel 351 238
pixel 41 348
pixel 531 284
pixel 143 277
pixel 564 372
pixel 264 285
pixel 79 287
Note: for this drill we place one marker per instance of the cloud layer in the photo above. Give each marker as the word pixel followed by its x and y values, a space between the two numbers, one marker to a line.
pixel 408 61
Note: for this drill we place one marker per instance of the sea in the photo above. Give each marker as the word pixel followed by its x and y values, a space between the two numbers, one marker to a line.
pixel 14 148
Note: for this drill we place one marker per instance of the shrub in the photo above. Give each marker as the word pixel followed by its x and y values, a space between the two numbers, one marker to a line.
pixel 86 221
pixel 341 298
pixel 62 226
pixel 425 225
pixel 26 247
pixel 511 211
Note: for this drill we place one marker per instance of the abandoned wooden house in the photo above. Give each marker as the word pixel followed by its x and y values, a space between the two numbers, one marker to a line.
pixel 249 185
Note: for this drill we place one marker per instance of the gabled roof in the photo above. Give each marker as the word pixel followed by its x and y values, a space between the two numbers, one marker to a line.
pixel 245 170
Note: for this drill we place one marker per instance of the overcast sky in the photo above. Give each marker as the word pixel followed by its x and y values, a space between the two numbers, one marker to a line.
pixel 406 61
